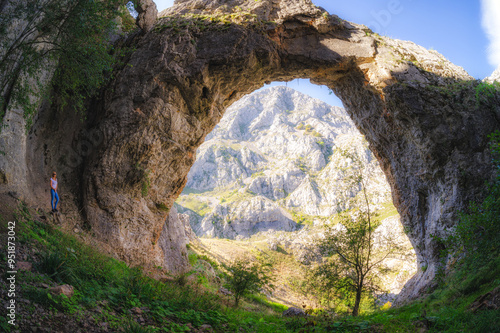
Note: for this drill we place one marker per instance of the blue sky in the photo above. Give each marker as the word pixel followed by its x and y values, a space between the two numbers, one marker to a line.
pixel 466 32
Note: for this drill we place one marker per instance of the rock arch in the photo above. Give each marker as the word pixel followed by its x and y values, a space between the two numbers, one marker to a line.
pixel 416 109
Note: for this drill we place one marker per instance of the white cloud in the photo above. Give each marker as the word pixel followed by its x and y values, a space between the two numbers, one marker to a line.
pixel 491 25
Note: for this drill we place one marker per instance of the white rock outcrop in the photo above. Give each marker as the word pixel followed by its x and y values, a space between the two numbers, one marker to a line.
pixel 281 151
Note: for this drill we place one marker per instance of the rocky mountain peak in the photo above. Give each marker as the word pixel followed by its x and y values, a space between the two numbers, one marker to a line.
pixel 495 76
pixel 280 151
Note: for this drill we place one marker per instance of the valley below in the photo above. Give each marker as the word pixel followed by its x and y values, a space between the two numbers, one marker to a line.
pixel 269 180
pixel 195 191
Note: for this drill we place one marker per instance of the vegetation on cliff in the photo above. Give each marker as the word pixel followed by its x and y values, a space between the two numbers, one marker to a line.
pixel 69 39
pixel 110 296
pixel 246 278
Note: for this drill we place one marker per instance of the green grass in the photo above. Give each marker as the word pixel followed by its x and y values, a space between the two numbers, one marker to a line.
pixel 99 279
pixel 301 218
pixel 387 210
pixel 224 195
pixel 193 203
pixel 316 134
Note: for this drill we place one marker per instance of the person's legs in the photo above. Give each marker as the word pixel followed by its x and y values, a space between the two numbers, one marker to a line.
pixel 57 200
pixel 52 195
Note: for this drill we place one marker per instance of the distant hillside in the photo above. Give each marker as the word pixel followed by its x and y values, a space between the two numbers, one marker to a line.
pixel 273 163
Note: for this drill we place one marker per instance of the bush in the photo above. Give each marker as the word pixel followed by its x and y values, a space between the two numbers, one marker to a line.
pixel 55 265
pixel 246 277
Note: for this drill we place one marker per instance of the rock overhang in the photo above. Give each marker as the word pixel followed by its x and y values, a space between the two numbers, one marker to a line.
pixel 417 110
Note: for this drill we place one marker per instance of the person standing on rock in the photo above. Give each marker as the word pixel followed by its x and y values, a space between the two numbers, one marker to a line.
pixel 53 192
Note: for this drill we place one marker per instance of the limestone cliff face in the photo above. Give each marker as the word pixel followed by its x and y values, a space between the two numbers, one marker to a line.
pixel 277 152
pixel 418 112
pixel 494 77
pixel 173 239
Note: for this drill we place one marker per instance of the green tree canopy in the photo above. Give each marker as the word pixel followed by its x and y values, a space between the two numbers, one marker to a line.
pixel 247 276
pixel 355 253
pixel 67 38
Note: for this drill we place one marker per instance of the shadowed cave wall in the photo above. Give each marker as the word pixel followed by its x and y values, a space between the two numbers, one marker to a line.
pixel 418 112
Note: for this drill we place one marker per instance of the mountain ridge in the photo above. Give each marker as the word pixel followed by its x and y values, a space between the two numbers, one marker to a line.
pixel 278 153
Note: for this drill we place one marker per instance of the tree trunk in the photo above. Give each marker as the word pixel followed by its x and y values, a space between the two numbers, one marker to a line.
pixel 236 301
pixel 355 310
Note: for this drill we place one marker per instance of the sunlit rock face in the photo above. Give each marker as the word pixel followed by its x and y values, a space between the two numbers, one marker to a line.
pixel 494 77
pixel 277 152
pixel 422 122
pixel 432 146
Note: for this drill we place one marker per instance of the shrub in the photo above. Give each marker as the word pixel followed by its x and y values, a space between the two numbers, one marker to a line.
pixel 247 277
pixel 316 134
pixel 193 258
pixel 355 257
pixel 55 265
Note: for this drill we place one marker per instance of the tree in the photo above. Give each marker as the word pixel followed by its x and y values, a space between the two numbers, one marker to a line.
pixel 355 252
pixel 69 38
pixel 247 277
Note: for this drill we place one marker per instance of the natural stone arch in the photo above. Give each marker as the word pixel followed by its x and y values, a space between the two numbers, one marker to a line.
pixel 430 140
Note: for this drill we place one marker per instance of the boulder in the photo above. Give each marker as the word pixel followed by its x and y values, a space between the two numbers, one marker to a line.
pixel 294 312
pixel 64 289
pixel 148 14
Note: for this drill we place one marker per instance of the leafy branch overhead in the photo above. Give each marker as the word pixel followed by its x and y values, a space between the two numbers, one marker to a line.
pixel 55 44
pixel 477 235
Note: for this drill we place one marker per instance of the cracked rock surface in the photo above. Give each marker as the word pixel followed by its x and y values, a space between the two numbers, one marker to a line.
pixel 417 110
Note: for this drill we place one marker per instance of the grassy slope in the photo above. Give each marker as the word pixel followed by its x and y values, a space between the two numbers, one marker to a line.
pixel 107 291
pixel 286 270
pixel 290 275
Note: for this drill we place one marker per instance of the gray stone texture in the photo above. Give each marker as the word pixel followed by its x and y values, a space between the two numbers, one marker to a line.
pixel 423 124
